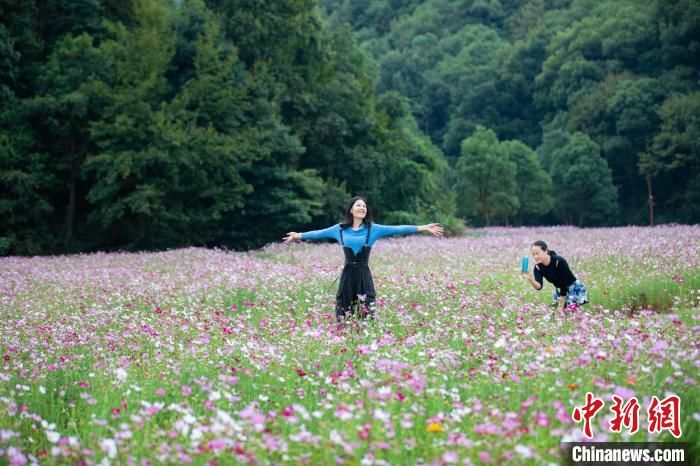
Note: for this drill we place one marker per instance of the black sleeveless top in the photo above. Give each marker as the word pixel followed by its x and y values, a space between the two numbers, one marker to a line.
pixel 361 259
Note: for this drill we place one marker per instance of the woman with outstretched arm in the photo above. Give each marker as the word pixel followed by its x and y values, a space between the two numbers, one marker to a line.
pixel 357 234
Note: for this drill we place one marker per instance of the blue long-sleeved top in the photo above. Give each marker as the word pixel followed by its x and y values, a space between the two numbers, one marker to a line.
pixel 355 239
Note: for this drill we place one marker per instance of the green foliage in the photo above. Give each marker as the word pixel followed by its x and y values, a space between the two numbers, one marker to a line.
pixel 600 68
pixel 675 151
pixel 9 58
pixel 583 181
pixel 553 139
pixel 501 180
pixel 155 124
pixel 679 29
pixel 23 199
pixel 472 72
pixel 59 18
pixel 621 116
pixel 61 116
pixel 415 189
pixel 533 186
pixel 339 128
pixel 131 169
pixel 486 178
pixel 678 143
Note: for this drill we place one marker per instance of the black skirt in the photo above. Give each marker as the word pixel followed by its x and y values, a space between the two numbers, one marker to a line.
pixel 356 287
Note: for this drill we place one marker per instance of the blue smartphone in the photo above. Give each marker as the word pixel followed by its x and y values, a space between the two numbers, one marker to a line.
pixel 524 267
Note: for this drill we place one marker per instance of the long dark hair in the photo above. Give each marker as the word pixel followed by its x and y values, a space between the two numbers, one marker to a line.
pixel 348 219
pixel 543 246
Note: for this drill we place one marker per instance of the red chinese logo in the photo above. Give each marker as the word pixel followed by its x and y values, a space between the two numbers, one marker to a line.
pixel 626 415
pixel 662 414
pixel 587 412
pixel 665 415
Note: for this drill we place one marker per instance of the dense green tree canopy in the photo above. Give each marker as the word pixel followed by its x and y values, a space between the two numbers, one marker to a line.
pixel 486 177
pixel 521 68
pixel 583 182
pixel 151 124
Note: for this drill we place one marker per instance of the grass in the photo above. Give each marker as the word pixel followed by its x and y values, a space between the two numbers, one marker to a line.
pixel 481 359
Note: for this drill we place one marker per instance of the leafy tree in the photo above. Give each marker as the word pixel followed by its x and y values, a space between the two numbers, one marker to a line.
pixel 533 186
pixel 25 181
pixel 526 19
pixel 415 189
pixel 282 38
pixel 21 46
pixel 473 72
pixel 282 48
pixel 59 18
pixel 340 130
pixel 212 139
pixel 24 203
pixel 554 138
pixel 486 178
pixel 601 68
pixel 131 170
pixel 61 116
pixel 621 116
pixel 675 151
pixel 583 181
pixel 9 58
pixel 679 28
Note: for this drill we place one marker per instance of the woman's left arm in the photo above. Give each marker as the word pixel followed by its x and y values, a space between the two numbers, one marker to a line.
pixel 392 230
pixel 433 228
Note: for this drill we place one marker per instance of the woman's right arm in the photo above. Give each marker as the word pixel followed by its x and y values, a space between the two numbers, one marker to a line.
pixel 536 282
pixel 332 232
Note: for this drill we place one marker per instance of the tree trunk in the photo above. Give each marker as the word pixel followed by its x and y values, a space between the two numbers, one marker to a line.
pixel 580 210
pixel 70 210
pixel 650 201
pixel 485 212
pixel 142 237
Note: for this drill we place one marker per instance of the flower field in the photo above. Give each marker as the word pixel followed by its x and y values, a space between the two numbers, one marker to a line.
pixel 216 357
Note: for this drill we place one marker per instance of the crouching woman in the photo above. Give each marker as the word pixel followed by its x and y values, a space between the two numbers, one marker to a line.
pixel 568 291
